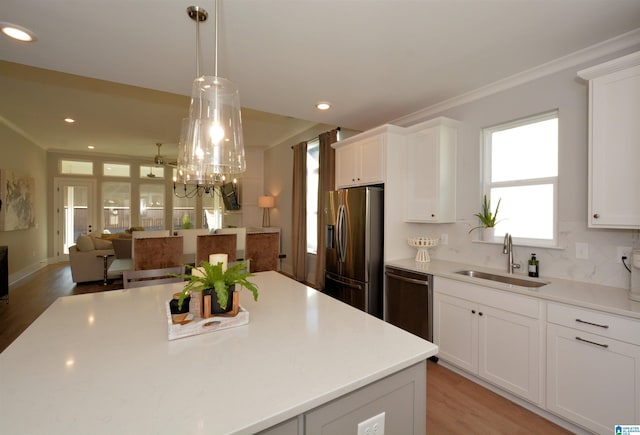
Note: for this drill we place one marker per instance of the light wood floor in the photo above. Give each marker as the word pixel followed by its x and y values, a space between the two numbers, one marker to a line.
pixel 455 405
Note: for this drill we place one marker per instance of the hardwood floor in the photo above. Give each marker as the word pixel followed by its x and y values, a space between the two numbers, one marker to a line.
pixel 457 405
pixel 454 404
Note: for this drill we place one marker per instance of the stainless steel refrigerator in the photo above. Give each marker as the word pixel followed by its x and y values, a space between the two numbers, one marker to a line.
pixel 354 237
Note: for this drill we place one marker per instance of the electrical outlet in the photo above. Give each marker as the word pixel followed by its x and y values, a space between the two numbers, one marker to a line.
pixel 444 239
pixel 623 251
pixel 372 426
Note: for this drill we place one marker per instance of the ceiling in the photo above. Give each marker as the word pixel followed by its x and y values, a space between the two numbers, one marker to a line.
pixel 123 69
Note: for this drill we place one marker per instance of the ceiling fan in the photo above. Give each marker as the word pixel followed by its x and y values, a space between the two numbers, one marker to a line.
pixel 159 161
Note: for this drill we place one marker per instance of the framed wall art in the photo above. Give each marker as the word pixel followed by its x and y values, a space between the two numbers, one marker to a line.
pixel 17 210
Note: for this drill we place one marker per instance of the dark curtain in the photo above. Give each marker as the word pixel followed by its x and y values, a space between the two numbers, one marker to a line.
pixel 326 183
pixel 299 212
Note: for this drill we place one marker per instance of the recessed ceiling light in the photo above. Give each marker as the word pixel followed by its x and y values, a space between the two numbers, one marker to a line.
pixel 69 120
pixel 91 147
pixel 17 32
pixel 323 106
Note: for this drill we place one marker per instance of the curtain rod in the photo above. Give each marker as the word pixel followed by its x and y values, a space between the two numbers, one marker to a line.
pixel 308 140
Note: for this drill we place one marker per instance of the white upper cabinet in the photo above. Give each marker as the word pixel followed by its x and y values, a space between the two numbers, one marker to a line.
pixel 431 171
pixel 361 159
pixel 614 143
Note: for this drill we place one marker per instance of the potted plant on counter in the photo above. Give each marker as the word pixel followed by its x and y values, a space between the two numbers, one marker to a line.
pixel 218 281
pixel 487 218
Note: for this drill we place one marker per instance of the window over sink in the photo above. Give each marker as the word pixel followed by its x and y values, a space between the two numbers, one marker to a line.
pixel 521 171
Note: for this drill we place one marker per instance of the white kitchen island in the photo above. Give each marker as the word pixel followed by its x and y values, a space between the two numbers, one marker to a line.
pixel 102 364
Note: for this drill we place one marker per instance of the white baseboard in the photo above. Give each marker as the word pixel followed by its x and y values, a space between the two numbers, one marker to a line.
pixel 16 277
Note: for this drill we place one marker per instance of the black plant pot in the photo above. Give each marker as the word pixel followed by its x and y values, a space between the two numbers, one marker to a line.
pixel 215 306
pixel 173 306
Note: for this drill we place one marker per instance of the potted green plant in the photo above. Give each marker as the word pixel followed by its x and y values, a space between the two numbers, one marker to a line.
pixel 221 283
pixel 186 222
pixel 487 217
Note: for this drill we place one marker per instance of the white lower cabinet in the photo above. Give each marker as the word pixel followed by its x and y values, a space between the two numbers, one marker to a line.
pixel 493 334
pixel 593 367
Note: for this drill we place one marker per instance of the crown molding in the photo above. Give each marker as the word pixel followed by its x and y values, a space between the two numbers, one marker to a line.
pixel 615 65
pixel 585 55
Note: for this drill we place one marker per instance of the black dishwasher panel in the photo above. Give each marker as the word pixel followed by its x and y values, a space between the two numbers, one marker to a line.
pixel 408 302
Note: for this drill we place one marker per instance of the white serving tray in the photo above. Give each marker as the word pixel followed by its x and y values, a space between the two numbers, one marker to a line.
pixel 202 326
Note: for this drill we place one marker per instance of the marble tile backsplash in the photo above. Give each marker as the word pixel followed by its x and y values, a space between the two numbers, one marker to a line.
pixel 601 266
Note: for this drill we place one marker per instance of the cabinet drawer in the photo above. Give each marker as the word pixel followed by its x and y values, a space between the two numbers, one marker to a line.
pixel 595 322
pixel 501 299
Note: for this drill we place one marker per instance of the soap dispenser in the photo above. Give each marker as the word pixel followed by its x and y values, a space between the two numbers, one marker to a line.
pixel 533 266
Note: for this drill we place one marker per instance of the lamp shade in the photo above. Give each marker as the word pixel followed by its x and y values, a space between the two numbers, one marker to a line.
pixel 266 201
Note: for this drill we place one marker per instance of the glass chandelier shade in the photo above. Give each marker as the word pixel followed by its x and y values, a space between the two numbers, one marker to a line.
pixel 211 145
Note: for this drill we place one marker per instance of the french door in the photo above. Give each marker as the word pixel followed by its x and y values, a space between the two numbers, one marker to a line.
pixel 74 213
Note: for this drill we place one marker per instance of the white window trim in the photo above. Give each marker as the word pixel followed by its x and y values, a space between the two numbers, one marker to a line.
pixel 487 185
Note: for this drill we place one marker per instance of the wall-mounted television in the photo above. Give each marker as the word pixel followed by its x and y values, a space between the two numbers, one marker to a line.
pixel 230 196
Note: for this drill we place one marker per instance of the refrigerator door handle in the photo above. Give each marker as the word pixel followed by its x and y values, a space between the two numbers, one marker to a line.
pixel 346 284
pixel 338 232
pixel 342 233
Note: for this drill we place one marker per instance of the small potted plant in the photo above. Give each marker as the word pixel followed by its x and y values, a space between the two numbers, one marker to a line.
pixel 209 278
pixel 487 218
pixel 186 222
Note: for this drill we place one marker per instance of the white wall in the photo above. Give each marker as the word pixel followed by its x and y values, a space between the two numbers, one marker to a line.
pixel 568 94
pixel 252 187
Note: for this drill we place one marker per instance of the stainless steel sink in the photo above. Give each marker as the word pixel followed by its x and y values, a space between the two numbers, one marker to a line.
pixel 500 278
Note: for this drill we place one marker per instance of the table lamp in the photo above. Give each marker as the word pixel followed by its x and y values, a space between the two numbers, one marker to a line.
pixel 265 203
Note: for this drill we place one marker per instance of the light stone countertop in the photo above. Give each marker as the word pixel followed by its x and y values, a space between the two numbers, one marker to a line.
pixel 598 297
pixel 102 363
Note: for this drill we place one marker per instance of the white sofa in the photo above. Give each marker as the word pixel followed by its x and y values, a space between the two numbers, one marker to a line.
pixel 85 258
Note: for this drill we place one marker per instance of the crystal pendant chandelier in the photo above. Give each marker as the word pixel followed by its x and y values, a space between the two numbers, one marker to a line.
pixel 211 146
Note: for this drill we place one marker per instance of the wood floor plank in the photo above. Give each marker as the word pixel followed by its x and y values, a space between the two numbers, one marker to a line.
pixel 455 405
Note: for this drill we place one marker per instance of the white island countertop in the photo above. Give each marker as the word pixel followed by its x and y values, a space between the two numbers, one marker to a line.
pixel 102 364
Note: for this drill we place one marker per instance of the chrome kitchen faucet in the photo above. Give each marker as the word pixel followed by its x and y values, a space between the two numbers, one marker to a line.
pixel 507 248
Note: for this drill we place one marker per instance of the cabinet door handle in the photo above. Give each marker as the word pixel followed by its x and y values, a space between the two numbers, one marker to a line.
pixel 480 313
pixel 473 311
pixel 596 215
pixel 592 324
pixel 592 342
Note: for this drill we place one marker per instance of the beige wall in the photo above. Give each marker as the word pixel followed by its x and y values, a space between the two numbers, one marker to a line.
pixel 27 248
